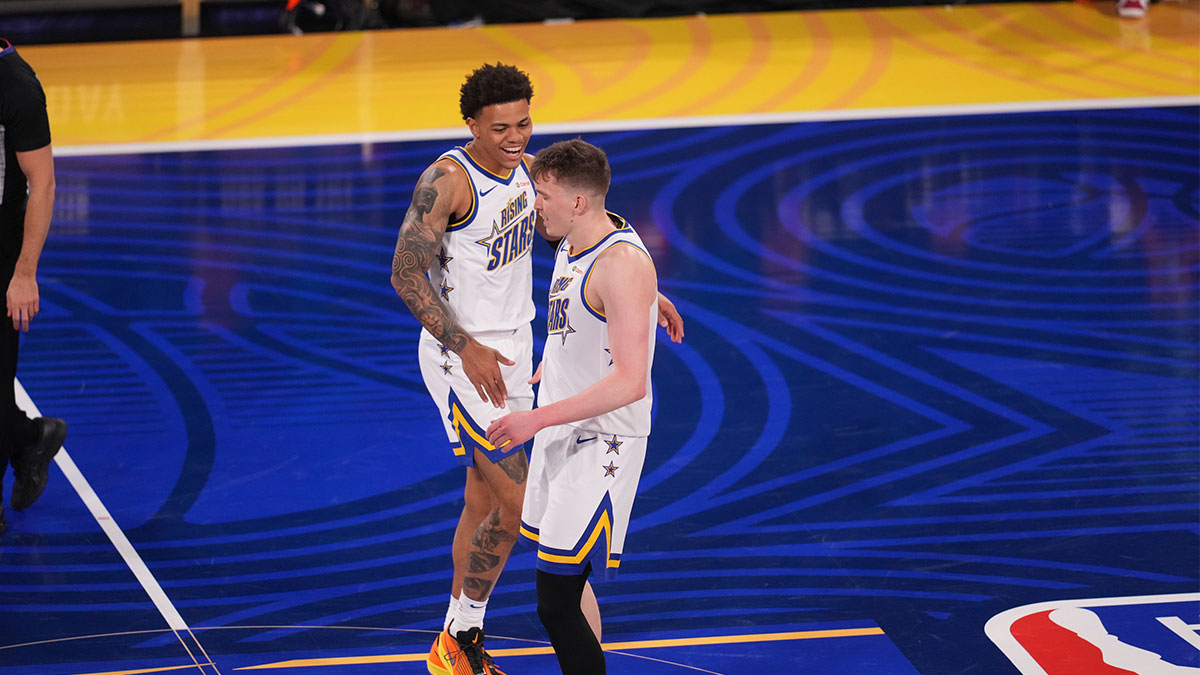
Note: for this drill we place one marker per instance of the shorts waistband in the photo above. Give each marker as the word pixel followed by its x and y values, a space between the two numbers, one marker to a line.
pixel 486 333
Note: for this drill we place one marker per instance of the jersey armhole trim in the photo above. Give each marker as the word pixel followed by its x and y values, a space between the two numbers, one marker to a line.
pixel 465 220
pixel 587 276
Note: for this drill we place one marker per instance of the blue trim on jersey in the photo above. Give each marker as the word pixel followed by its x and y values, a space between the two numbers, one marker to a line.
pixel 472 436
pixel 583 292
pixel 588 275
pixel 621 225
pixel 505 180
pixel 6 48
pixel 470 217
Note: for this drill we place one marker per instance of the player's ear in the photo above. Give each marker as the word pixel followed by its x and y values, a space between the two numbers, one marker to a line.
pixel 473 126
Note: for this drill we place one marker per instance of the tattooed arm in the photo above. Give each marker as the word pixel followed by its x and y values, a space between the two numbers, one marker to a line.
pixel 419 241
pixel 442 191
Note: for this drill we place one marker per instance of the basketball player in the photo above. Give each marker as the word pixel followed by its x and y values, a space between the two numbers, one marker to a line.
pixel 593 414
pixel 463 267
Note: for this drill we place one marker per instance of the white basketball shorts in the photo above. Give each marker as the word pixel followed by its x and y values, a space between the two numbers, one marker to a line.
pixel 464 415
pixel 579 498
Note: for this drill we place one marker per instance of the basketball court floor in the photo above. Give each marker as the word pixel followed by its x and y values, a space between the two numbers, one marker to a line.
pixel 936 410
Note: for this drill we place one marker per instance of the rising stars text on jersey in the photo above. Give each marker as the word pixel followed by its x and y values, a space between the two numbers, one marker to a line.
pixel 512 234
pixel 556 320
pixel 560 284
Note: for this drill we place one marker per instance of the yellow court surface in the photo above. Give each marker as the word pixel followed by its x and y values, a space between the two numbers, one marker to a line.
pixel 334 84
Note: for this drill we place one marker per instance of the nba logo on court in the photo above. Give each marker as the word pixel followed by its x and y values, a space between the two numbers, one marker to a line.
pixel 1143 635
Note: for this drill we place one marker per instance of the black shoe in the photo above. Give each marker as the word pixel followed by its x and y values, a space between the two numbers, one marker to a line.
pixel 487 661
pixel 32 463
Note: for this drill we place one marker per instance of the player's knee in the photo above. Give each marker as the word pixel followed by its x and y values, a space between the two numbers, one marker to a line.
pixel 551 612
pixel 477 495
pixel 508 506
pixel 510 517
pixel 555 609
pixel 478 503
pixel 558 598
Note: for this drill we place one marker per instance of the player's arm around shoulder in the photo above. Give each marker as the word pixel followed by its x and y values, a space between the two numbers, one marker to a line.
pixel 625 285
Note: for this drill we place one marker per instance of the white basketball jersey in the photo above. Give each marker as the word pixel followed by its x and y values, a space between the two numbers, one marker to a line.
pixel 483 270
pixel 577 347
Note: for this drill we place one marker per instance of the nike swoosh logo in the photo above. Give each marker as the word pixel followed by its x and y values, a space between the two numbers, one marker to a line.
pixel 584 440
pixel 484 193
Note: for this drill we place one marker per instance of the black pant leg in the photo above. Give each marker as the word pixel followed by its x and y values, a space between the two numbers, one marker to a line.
pixel 15 426
pixel 9 421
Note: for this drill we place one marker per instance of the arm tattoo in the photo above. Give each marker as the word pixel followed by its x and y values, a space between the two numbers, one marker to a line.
pixel 425 195
pixel 416 245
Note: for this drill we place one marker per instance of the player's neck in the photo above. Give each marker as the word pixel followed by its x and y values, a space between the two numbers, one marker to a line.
pixel 480 158
pixel 589 230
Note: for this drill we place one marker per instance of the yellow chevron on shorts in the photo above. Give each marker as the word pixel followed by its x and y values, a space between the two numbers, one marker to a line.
pixel 604 524
pixel 460 422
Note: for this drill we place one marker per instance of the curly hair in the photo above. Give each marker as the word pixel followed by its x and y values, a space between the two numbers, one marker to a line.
pixel 490 85
pixel 576 163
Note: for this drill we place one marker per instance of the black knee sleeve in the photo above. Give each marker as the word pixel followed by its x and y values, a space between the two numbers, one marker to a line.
pixel 574 643
pixel 558 596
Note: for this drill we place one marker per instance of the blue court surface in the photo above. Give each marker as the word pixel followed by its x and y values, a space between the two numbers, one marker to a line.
pixel 935 369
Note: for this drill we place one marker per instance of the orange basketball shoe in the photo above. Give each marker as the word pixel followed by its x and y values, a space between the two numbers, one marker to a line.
pixel 461 654
pixel 436 664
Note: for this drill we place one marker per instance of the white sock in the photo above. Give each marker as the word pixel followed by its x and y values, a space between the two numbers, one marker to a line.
pixel 470 613
pixel 453 609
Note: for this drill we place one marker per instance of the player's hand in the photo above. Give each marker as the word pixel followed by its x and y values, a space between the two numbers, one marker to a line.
pixel 515 427
pixel 537 375
pixel 668 317
pixel 22 301
pixel 482 367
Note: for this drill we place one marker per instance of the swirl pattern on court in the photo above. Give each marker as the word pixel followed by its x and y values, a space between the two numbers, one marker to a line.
pixel 934 368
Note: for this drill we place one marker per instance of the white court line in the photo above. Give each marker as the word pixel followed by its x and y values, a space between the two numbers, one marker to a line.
pixel 118 538
pixel 633 125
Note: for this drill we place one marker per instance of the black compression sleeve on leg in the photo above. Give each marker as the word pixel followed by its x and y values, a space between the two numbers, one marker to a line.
pixel 574 642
